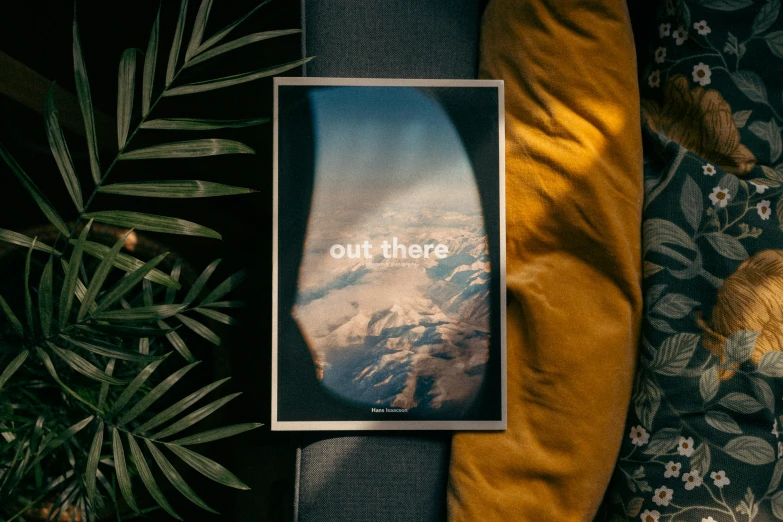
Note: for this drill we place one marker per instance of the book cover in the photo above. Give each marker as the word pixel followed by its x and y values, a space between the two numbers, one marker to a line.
pixel 388 257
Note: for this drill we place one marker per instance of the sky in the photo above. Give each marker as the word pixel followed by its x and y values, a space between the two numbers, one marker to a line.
pixel 379 142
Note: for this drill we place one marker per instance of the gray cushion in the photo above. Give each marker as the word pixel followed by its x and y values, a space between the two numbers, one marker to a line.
pixel 392 38
pixel 372 478
pixel 381 477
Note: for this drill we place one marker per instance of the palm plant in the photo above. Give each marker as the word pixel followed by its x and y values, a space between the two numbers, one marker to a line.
pixel 84 414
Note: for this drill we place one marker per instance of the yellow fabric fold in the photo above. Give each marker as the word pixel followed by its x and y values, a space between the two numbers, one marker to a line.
pixel 573 210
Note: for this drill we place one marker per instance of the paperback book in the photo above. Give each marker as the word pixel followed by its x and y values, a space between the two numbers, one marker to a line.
pixel 388 256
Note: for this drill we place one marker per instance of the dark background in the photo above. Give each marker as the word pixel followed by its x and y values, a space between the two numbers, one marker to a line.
pixel 38 34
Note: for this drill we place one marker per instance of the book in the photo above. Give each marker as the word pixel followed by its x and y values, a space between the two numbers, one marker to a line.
pixel 388 255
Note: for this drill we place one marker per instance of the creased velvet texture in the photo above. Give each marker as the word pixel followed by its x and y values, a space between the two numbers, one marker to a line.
pixel 574 194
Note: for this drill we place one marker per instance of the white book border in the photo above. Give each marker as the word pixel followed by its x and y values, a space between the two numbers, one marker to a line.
pixel 407 424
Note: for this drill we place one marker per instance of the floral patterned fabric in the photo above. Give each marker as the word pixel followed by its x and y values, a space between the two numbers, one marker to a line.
pixel 703 434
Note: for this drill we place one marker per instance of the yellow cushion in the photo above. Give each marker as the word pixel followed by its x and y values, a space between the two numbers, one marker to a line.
pixel 574 195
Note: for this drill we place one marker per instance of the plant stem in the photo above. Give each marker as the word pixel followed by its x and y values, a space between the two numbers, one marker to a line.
pixel 132 135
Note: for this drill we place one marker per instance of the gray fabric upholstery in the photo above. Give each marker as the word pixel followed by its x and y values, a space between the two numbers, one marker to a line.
pixel 402 476
pixel 392 38
pixel 374 478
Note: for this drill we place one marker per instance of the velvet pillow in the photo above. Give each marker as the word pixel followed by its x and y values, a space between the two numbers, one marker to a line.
pixel 574 193
pixel 702 439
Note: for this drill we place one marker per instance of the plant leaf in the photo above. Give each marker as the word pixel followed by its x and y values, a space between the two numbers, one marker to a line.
pixel 197 124
pixel 217 434
pixel 91 471
pixel 146 290
pixel 71 275
pixel 198 29
pixel 194 417
pixel 766 16
pixel 201 282
pixel 48 447
pixel 216 316
pixel 240 42
pixel 225 304
pixel 171 292
pixel 153 223
pixel 62 156
pixel 126 284
pixel 740 403
pixel 15 323
pixel 200 329
pixel 208 468
pixel 144 345
pixel 149 66
pixel 225 287
pixel 188 149
pixel 12 367
pixel 105 387
pixel 85 102
pixel 28 298
pixel 46 298
pixel 175 44
pixel 228 81
pixel 105 349
pixel 141 314
pixel 121 468
pixel 180 406
pixel 147 479
pixel 130 264
pixel 177 342
pixel 83 366
pixel 47 361
pixel 40 200
pixel 230 27
pixel 156 393
pixel 175 478
pixel 126 82
pixel 99 277
pixel 133 387
pixel 750 450
pixel 675 352
pixel 80 290
pixel 15 238
pixel 174 189
pixel 722 421
pixel 122 331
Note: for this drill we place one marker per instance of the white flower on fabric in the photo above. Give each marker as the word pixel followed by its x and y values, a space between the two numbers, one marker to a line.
pixel 708 519
pixel 685 446
pixel 654 80
pixel 701 74
pixel 759 189
pixel 663 496
pixel 680 35
pixel 650 516
pixel 720 478
pixel 692 479
pixel 665 30
pixel 639 436
pixel 720 197
pixel 763 208
pixel 780 449
pixel 660 55
pixel 775 428
pixel 672 469
pixel 702 28
pixel 708 169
